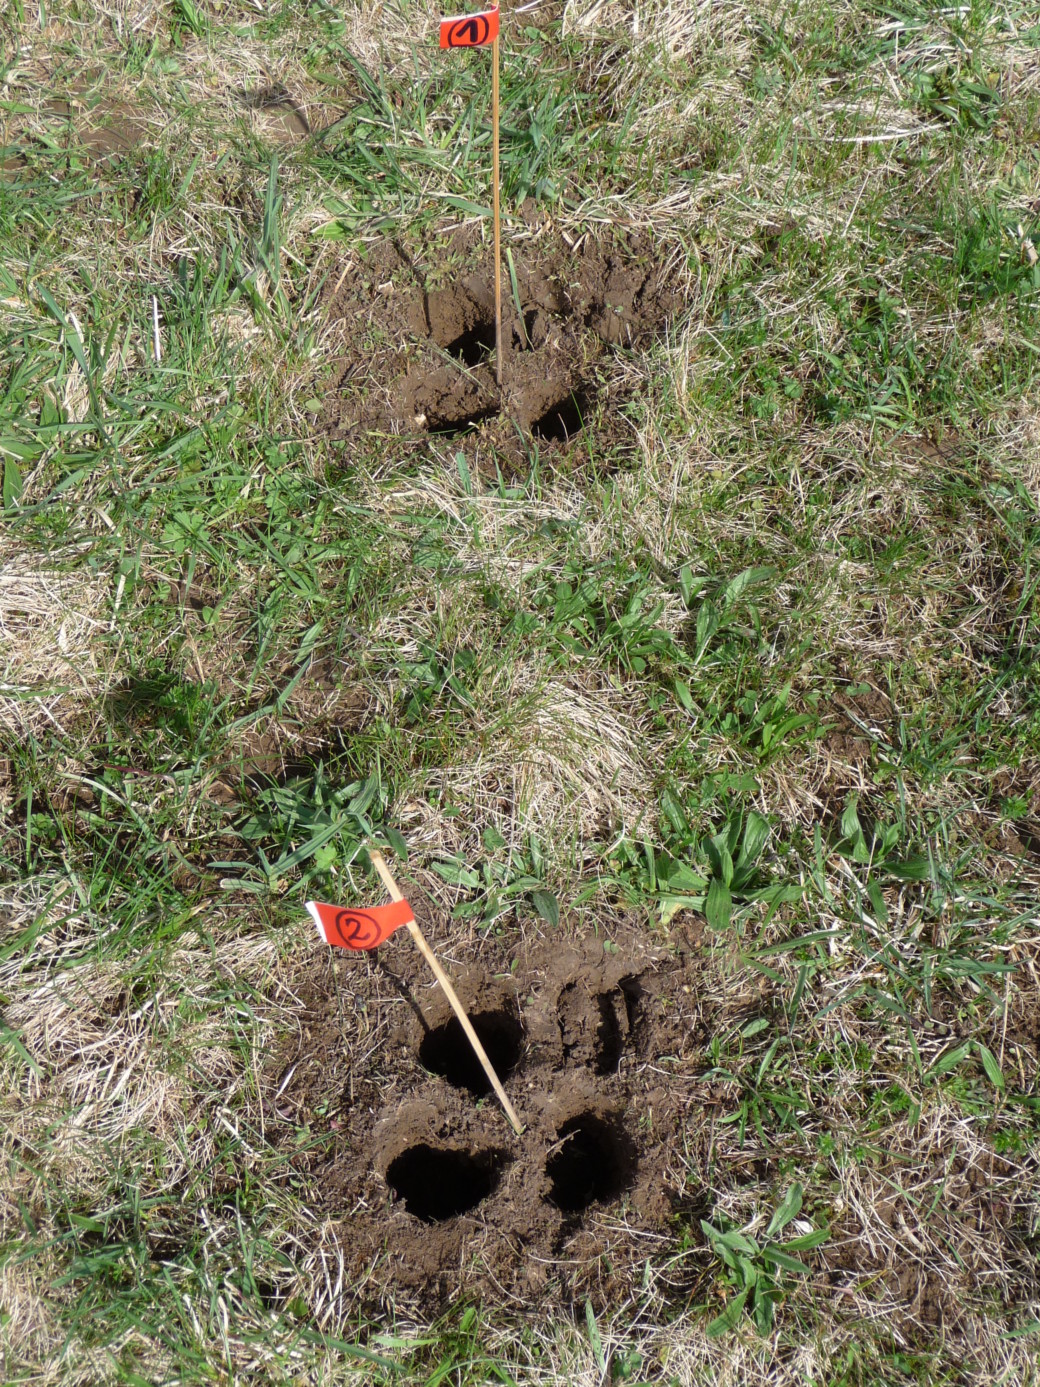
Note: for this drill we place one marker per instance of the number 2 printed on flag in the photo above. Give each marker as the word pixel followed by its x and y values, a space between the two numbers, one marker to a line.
pixel 359 929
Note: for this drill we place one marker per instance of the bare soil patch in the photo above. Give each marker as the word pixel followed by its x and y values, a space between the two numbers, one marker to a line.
pixel 280 118
pixel 418 332
pixel 429 1189
pixel 928 1272
pixel 109 130
pixel 857 720
pixel 283 118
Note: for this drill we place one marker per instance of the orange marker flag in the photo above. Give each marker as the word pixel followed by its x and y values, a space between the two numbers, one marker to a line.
pixel 359 929
pixel 470 30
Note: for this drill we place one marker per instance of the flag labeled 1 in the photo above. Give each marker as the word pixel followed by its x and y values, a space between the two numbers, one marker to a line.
pixel 359 929
pixel 470 30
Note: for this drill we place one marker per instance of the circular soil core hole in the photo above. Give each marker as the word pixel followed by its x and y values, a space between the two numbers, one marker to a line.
pixel 564 419
pixel 593 1161
pixel 436 1184
pixel 446 1051
pixel 474 345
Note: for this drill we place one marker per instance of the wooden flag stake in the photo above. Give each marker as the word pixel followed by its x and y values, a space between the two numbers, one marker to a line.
pixel 449 992
pixel 474 31
pixel 498 220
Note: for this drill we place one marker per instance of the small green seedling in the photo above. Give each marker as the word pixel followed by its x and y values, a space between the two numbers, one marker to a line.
pixel 753 1270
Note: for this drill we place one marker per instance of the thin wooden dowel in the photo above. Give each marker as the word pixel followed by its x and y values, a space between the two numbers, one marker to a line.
pixel 498 218
pixel 438 972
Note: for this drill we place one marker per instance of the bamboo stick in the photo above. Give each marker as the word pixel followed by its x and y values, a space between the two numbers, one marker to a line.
pixel 449 992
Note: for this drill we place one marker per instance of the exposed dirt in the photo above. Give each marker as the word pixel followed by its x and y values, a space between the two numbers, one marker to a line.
pixel 418 333
pixel 858 718
pixel 1014 818
pixel 276 752
pixel 946 447
pixel 425 1177
pixel 108 131
pixel 388 1125
pixel 282 118
pixel 96 135
pixel 327 697
pixel 924 1289
pixel 279 117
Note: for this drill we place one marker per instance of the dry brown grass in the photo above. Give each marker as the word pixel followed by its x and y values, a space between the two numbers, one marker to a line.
pixel 55 639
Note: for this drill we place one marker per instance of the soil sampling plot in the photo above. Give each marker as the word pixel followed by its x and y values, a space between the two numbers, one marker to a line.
pixel 426 1187
pixel 417 333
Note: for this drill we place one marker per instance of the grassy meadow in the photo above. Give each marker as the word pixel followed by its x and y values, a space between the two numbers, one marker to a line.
pixel 765 681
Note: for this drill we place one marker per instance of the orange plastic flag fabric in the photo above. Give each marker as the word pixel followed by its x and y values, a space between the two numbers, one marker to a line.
pixel 470 30
pixel 359 929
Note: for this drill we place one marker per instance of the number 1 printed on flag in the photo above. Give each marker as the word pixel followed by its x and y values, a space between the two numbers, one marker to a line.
pixel 470 30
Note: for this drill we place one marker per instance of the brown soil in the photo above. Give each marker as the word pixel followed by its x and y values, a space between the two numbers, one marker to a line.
pixel 394 1141
pixel 278 752
pixel 106 132
pixel 418 331
pixel 282 119
pixel 109 131
pixel 1018 840
pixel 925 1289
pixel 857 721
pixel 429 1188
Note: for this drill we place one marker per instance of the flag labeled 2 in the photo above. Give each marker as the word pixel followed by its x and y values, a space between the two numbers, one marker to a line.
pixel 470 30
pixel 359 929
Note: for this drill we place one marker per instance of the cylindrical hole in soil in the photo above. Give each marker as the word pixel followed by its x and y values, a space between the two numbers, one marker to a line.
pixel 437 1184
pixel 618 1016
pixel 563 419
pixel 474 345
pixel 446 1051
pixel 609 1040
pixel 592 1161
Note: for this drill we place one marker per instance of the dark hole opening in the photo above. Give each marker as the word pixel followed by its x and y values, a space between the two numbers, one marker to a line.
pixel 619 1016
pixel 563 420
pixel 474 345
pixel 447 1052
pixel 632 993
pixel 437 1184
pixel 592 1161
pixel 609 1038
pixel 452 427
pixel 524 336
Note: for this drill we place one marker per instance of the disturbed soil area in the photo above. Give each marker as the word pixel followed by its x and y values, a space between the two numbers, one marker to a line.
pixel 423 1189
pixel 417 329
pixel 427 1183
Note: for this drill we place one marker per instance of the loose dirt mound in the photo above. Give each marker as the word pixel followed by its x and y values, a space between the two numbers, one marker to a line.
pixel 431 1188
pixel 418 330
